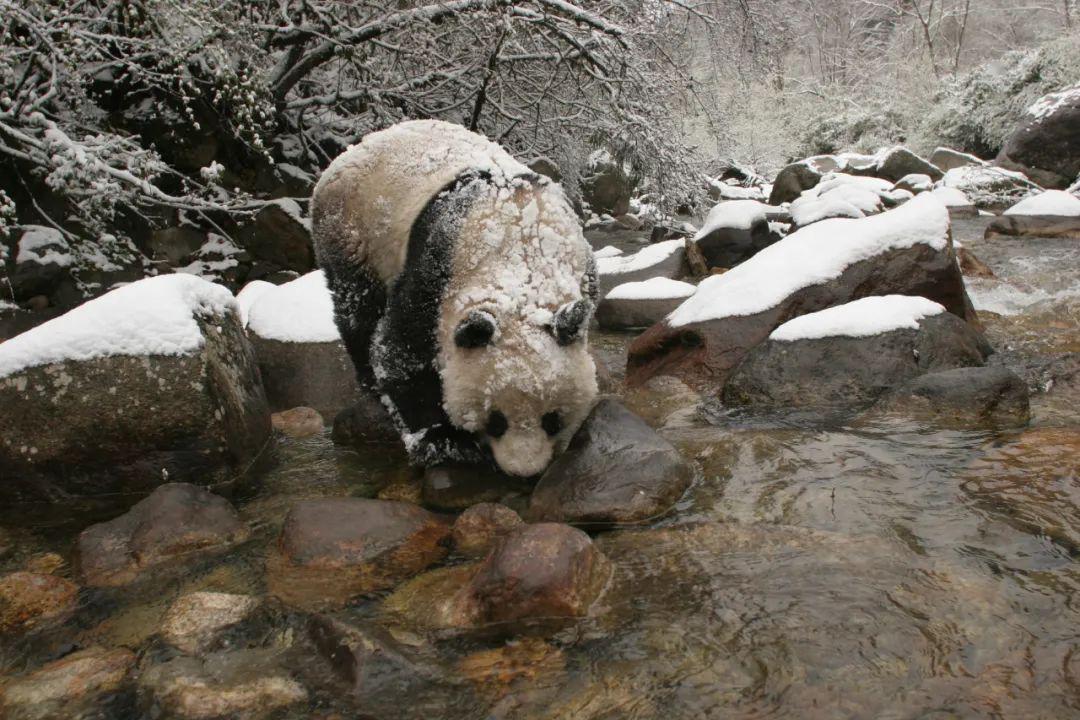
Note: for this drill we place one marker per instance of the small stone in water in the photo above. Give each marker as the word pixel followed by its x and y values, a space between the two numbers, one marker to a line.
pixel 48 563
pixel 196 621
pixel 529 660
pixel 452 487
pixel 29 600
pixel 299 422
pixel 477 529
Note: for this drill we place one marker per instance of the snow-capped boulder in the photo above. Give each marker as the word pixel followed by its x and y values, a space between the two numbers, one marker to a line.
pixel 720 190
pixel 42 260
pixel 915 183
pixel 844 195
pixel 1046 146
pixel 989 187
pixel 959 204
pixel 946 159
pixel 906 250
pixel 853 353
pixel 898 162
pixel 732 232
pixel 301 357
pixel 1052 202
pixel 961 397
pixel 152 378
pixel 663 259
pixel 640 304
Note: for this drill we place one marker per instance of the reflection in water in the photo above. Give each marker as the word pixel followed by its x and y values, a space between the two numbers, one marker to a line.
pixel 859 568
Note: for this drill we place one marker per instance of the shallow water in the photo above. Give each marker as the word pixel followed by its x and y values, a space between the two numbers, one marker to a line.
pixel 860 568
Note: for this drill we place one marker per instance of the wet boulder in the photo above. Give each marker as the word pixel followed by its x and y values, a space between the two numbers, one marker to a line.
pixel 961 397
pixel 178 524
pixel 150 380
pixel 1033 226
pixel 946 159
pixel 366 421
pixel 640 304
pixel 903 251
pixel 202 621
pixel 664 259
pixel 852 354
pixel 970 264
pixel 793 180
pixel 333 550
pixel 299 350
pixel 33 600
pixel 299 422
pixel 453 487
pixel 536 579
pixel 85 684
pixel 479 527
pixel 1046 145
pixel 732 232
pixel 616 470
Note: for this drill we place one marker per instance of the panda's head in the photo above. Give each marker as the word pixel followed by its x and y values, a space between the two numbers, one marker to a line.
pixel 514 356
pixel 524 389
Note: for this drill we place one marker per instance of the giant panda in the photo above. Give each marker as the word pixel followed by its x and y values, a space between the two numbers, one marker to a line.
pixel 463 290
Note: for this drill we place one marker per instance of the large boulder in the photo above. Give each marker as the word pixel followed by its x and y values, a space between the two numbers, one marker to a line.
pixel 178 524
pixel 663 259
pixel 793 180
pixel 616 470
pixel 851 354
pixel 1054 203
pixel 1044 226
pixel 898 162
pixel 301 358
pixel 990 188
pixel 732 232
pixel 606 185
pixel 640 304
pixel 1046 145
pixel 333 550
pixel 904 251
pixel 155 379
pixel 946 159
pixel 281 235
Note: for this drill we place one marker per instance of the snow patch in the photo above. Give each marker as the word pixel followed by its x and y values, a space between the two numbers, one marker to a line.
pixel 1050 202
pixel 301 310
pixel 249 294
pixel 658 288
pixel 951 197
pixel 862 318
pixel 43 245
pixel 607 251
pixel 735 214
pixel 153 316
pixel 812 255
pixel 644 258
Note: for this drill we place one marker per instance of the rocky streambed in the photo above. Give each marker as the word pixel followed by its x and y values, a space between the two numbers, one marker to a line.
pixel 795 565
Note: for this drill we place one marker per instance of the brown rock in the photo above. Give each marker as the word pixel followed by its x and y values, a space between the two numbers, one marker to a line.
pixel 1047 226
pixel 364 422
pixel 477 529
pixel 529 661
pixel 49 563
pixel 971 265
pixel 453 487
pixel 793 180
pixel 1046 147
pixel 300 422
pixel 333 550
pixel 278 236
pixel 30 600
pixel 76 686
pixel 177 524
pixel 196 622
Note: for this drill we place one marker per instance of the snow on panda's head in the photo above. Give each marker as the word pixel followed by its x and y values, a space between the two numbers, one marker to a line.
pixel 513 349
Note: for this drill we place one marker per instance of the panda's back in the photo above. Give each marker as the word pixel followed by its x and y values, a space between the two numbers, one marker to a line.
pixel 367 200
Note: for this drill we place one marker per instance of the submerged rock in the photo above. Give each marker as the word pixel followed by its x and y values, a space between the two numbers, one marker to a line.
pixel 853 353
pixel 80 685
pixel 453 487
pixel 331 551
pixel 962 396
pixel 537 579
pixel 616 470
pixel 1046 145
pixel 530 661
pixel 32 600
pixel 477 529
pixel 176 525
pixel 906 251
pixel 299 422
pixel 153 376
pixel 199 621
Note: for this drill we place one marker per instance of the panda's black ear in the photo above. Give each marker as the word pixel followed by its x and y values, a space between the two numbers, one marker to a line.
pixel 571 320
pixel 476 330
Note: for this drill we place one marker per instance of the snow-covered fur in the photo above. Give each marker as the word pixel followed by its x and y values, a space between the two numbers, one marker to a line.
pixel 463 289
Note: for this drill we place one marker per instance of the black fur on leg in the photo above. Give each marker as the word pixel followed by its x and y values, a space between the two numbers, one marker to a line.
pixel 359 303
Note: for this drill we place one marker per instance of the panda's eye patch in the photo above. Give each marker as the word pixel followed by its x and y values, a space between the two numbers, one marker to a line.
pixel 552 423
pixel 476 330
pixel 496 424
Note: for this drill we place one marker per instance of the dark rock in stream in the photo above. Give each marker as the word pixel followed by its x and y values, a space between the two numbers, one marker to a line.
pixel 1046 226
pixel 453 487
pixel 963 396
pixel 83 685
pixel 1046 146
pixel 176 525
pixel 616 470
pixel 318 375
pixel 366 421
pixel 477 529
pixel 333 550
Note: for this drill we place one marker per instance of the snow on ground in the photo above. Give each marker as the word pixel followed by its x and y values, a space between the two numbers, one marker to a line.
pixel 43 245
pixel 646 257
pixel 951 197
pixel 249 294
pixel 860 318
pixel 607 251
pixel 1047 105
pixel 735 214
pixel 657 288
pixel 153 316
pixel 814 254
pixel 1051 202
pixel 298 311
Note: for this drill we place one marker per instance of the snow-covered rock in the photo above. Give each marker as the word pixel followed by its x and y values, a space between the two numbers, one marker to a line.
pixel 42 259
pixel 905 251
pixel 248 295
pixel 640 304
pixel 1046 145
pixel 662 259
pixel 607 251
pixel 853 353
pixel 959 204
pixel 1051 202
pixel 989 187
pixel 156 375
pixel 732 232
pixel 915 183
pixel 947 159
pixel 301 357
